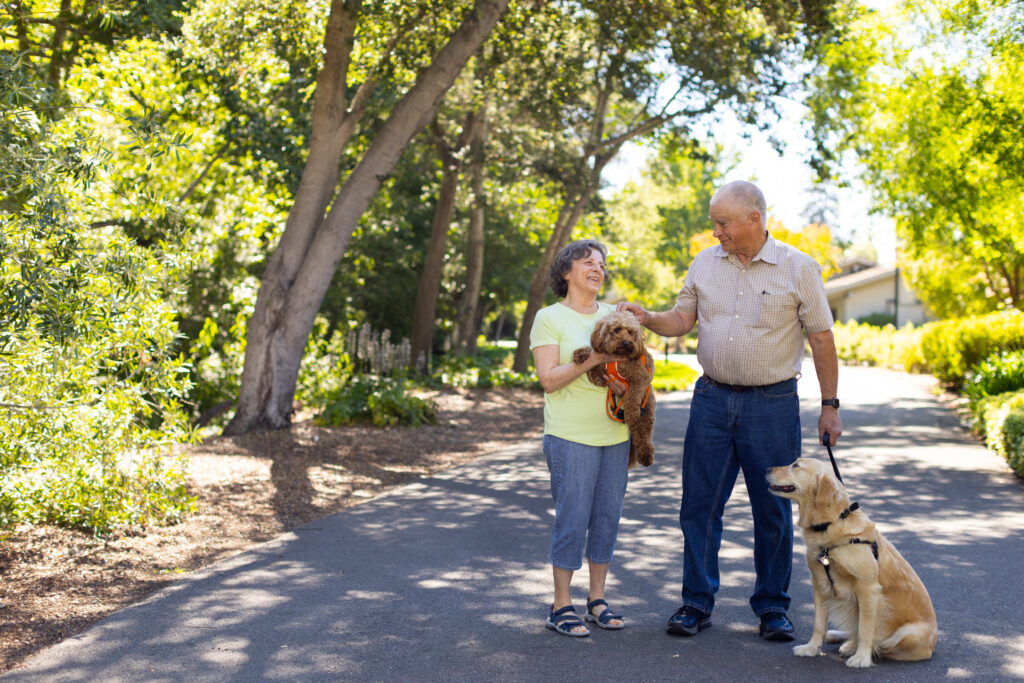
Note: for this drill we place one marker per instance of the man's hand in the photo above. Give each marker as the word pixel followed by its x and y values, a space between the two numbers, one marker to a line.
pixel 667 323
pixel 830 422
pixel 642 315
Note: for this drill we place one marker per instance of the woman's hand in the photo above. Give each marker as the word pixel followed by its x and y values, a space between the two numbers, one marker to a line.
pixel 553 376
pixel 599 358
pixel 618 387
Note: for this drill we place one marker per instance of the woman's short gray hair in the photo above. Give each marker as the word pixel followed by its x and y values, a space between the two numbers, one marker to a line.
pixel 562 264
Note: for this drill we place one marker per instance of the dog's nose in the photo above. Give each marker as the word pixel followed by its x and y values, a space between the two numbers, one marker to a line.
pixel 627 346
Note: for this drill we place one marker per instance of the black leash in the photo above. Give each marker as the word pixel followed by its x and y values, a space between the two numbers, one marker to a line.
pixel 826 439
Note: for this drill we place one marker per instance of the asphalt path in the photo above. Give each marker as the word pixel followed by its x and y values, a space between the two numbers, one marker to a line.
pixel 445 580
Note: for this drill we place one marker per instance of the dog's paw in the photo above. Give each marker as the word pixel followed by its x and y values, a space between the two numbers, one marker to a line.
pixel 580 355
pixel 861 660
pixel 645 456
pixel 807 650
pixel 847 648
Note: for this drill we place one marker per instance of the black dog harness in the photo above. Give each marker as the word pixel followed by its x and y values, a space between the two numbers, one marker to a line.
pixel 842 515
pixel 823 557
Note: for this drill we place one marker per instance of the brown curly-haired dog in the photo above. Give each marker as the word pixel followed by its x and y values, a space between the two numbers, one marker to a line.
pixel 619 334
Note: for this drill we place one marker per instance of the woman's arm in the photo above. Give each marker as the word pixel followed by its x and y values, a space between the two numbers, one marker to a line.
pixel 554 376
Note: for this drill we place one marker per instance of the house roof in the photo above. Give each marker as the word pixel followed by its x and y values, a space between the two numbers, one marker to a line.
pixel 844 283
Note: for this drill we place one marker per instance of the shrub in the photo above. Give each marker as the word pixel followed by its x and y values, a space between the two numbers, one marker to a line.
pixel 950 348
pixel 1013 440
pixel 91 387
pixel 877 319
pixel 381 401
pixel 888 347
pixel 1000 420
pixel 997 374
pixel 483 371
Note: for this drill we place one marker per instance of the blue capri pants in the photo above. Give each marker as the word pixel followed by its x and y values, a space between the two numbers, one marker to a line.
pixel 588 484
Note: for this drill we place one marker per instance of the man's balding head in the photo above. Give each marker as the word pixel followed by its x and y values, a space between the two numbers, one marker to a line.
pixel 747 195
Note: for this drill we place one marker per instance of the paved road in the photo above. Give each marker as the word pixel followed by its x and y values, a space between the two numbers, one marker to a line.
pixel 445 580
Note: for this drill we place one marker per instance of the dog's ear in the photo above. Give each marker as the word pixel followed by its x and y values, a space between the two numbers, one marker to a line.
pixel 828 496
pixel 638 340
pixel 597 337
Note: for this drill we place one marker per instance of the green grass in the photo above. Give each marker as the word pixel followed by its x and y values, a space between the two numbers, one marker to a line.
pixel 673 376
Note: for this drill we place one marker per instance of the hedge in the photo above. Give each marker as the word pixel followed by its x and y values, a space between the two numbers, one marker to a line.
pixel 951 348
pixel 1000 420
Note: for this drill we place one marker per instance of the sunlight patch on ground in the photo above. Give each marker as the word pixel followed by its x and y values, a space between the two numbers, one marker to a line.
pixel 1012 650
pixel 951 530
pixel 226 651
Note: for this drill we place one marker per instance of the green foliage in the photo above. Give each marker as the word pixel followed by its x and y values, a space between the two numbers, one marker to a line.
pixel 1000 420
pixel 479 372
pixel 886 346
pixel 877 319
pixel 381 401
pixel 950 348
pixel 997 374
pixel 91 384
pixel 360 376
pixel 937 131
pixel 672 376
pixel 649 223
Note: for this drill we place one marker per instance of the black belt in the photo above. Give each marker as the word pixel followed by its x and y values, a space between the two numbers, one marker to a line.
pixel 738 387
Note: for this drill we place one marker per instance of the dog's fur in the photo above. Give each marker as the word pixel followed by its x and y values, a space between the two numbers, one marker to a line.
pixel 619 334
pixel 880 606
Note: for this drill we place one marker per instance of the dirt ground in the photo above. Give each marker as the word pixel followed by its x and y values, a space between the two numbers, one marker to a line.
pixel 55 582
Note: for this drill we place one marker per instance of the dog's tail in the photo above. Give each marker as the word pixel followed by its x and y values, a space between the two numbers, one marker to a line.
pixel 910 642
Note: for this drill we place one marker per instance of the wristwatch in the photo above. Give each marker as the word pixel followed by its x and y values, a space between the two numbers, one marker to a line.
pixel 833 402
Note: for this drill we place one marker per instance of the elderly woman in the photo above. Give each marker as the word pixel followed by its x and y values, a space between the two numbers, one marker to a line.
pixel 586 451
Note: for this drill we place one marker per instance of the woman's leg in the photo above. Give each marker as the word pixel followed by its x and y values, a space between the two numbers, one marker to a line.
pixel 605 514
pixel 574 470
pixel 598 576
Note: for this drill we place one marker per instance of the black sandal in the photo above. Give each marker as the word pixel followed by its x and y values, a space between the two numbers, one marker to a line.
pixel 604 617
pixel 565 620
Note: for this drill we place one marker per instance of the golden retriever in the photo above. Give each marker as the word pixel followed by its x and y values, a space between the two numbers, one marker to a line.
pixel 619 334
pixel 861 582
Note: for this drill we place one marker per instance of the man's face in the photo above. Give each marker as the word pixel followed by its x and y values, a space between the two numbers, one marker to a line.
pixel 736 226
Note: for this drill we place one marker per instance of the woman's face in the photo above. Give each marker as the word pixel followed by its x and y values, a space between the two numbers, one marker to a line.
pixel 587 273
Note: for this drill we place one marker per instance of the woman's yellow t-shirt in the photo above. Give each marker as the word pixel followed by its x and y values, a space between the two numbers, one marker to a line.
pixel 575 412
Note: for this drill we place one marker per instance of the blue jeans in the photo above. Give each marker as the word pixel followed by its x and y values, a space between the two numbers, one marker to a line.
pixel 588 484
pixel 729 430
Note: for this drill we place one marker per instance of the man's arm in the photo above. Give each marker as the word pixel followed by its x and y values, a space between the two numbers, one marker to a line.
pixel 826 366
pixel 667 323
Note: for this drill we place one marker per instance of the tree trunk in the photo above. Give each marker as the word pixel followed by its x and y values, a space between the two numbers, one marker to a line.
pixel 466 324
pixel 433 264
pixel 425 308
pixel 299 272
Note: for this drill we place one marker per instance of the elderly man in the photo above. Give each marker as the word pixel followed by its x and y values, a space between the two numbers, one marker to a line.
pixel 754 298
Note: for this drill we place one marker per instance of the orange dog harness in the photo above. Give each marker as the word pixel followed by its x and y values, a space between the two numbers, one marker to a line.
pixel 613 403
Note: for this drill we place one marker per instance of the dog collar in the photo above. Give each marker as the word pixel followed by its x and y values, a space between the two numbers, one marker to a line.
pixel 842 515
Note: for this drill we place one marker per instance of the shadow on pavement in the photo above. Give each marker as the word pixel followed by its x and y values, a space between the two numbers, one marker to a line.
pixel 447 579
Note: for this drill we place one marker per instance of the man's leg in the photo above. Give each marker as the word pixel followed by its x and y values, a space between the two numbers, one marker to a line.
pixel 709 474
pixel 769 436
